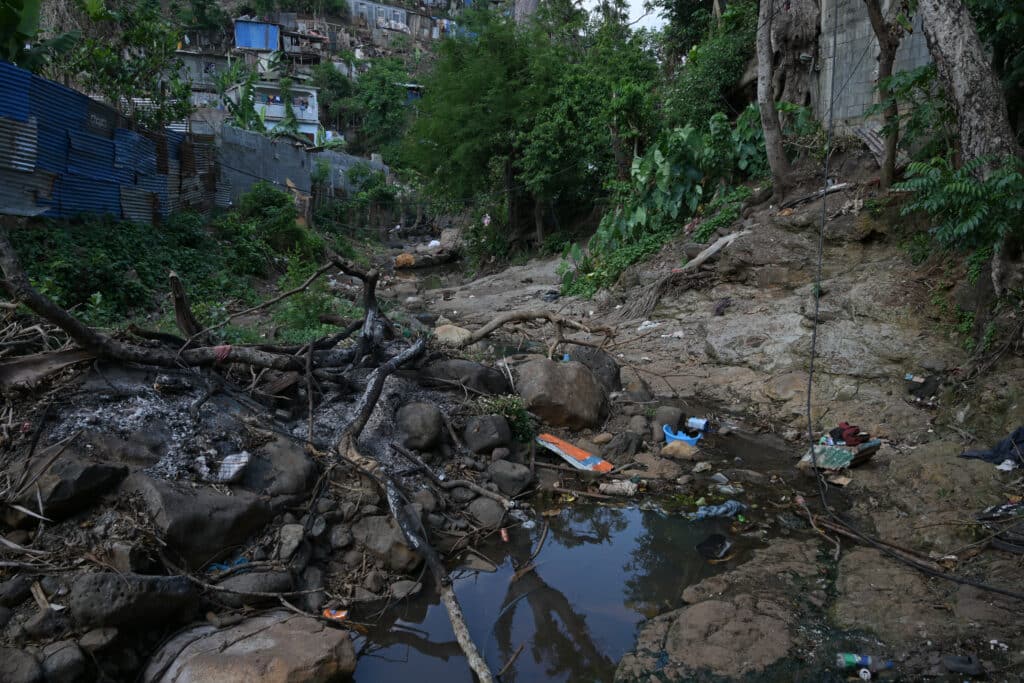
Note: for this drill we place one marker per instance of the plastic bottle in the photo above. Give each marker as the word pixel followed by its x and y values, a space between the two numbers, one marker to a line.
pixel 848 660
pixel 697 424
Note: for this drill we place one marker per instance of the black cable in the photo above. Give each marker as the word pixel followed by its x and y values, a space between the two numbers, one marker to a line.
pixel 819 477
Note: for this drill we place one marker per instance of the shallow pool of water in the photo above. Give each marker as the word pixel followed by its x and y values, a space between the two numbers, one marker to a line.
pixel 600 572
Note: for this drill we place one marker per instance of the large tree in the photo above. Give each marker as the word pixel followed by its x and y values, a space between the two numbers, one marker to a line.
pixel 888 28
pixel 777 161
pixel 983 124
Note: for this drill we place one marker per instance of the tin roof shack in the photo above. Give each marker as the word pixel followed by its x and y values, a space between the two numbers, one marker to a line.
pixel 257 35
pixel 271 107
pixel 201 70
pixel 304 47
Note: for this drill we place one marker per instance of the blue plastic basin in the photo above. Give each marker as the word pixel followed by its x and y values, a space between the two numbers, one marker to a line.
pixel 670 436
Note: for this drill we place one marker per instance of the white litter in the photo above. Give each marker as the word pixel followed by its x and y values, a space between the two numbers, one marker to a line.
pixel 434 244
pixel 647 325
pixel 1007 465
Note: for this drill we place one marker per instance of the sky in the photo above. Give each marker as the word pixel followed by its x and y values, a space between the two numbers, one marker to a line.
pixel 636 11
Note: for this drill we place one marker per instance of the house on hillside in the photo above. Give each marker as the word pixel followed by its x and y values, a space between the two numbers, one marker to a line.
pixel 267 100
pixel 255 35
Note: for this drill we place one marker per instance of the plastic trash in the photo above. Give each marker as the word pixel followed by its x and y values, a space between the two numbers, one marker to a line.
pixel 434 244
pixel 849 660
pixel 335 614
pixel 671 436
pixel 697 424
pixel 619 488
pixel 224 566
pixel 726 509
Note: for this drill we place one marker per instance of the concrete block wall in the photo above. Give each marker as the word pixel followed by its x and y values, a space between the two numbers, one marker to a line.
pixel 856 60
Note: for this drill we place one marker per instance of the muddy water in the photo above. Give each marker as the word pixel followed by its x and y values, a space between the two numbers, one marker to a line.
pixel 600 572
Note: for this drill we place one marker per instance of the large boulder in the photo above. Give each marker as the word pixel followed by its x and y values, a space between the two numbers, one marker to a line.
pixel 279 468
pixel 455 372
pixel 486 432
pixel 382 537
pixel 17 666
pixel 511 478
pixel 452 335
pixel 278 647
pixel 248 583
pixel 200 525
pixel 604 367
pixel 421 423
pixel 63 661
pixel 112 599
pixel 68 485
pixel 562 394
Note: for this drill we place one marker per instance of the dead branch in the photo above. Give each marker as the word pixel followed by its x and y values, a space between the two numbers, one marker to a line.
pixel 374 324
pixel 187 322
pixel 525 316
pixel 453 484
pixel 270 302
pixel 642 306
pixel 814 195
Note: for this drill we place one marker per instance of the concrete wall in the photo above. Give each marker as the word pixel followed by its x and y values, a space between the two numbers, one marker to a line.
pixel 856 63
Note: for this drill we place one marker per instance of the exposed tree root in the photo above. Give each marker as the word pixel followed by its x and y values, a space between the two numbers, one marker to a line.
pixel 526 316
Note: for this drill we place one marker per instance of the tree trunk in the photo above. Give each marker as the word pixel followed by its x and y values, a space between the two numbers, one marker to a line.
pixel 766 102
pixel 888 35
pixel 538 220
pixel 983 124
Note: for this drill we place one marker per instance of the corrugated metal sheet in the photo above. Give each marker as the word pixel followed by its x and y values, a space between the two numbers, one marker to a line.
pixel 24 194
pixel 79 195
pixel 257 35
pixel 18 144
pixel 14 84
pixel 91 156
pixel 140 206
pixel 172 185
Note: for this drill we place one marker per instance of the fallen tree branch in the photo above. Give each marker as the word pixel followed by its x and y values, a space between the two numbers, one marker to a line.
pixel 525 316
pixel 452 484
pixel 814 195
pixel 186 321
pixel 643 305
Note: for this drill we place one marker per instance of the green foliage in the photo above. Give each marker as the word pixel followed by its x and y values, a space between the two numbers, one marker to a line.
pixel 19 24
pixel 714 66
pixel 511 407
pixel 927 122
pixel 966 211
pixel 919 247
pixel 335 89
pixel 976 263
pixel 722 212
pixel 686 23
pixel 667 187
pixel 378 104
pixel 243 112
pixel 298 316
pixel 289 123
pixel 129 55
pixel 102 268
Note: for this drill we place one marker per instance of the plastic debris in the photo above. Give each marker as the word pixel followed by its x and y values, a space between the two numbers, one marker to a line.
pixel 727 509
pixel 619 488
pixel 504 535
pixel 434 244
pixel 840 457
pixel 224 566
pixel 702 467
pixel 228 471
pixel 719 478
pixel 671 436
pixel 647 325
pixel 849 660
pixel 577 457
pixel 335 614
pixel 1007 466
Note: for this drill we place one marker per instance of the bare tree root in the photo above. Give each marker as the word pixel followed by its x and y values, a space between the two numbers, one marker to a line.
pixel 525 316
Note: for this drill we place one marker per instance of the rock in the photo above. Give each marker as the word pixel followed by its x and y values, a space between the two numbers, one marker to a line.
pixel 702 467
pixel 452 335
pixel 353 558
pixel 288 540
pixel 97 639
pixel 318 527
pixel 746 476
pixel 638 425
pixel 383 539
pixel 111 599
pixel 199 524
pixel 635 386
pixel 484 433
pixel 622 447
pixel 488 512
pixel 562 394
pixel 278 646
pixel 279 468
pixel 730 638
pixel 69 485
pixel 363 595
pixel 500 454
pixel 405 589
pixel 602 438
pixel 680 450
pixel 341 537
pixel 601 364
pixel 17 666
pixel 255 581
pixel 421 423
pixel 46 623
pixel 15 591
pixel 657 468
pixel 462 495
pixel 426 499
pixel 63 661
pixel 5 616
pixel 665 415
pixel 511 478
pixel 312 580
pixel 474 376
pixel 374 582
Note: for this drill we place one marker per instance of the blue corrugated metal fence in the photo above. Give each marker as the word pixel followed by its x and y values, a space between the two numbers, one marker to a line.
pixel 63 154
